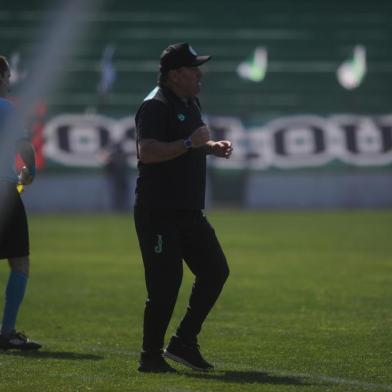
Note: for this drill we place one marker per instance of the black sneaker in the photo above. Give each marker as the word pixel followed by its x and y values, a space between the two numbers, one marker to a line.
pixel 188 355
pixel 154 364
pixel 18 341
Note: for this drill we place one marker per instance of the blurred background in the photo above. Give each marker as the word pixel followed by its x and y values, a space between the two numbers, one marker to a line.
pixel 303 89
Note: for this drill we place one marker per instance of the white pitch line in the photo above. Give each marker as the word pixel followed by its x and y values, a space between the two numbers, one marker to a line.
pixel 333 380
pixel 228 366
pixel 271 372
pixel 344 381
pixel 90 348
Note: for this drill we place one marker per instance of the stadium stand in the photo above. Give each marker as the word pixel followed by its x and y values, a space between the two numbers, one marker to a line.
pixel 306 41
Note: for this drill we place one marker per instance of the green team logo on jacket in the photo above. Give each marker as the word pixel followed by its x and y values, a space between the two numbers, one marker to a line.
pixel 181 116
pixel 158 246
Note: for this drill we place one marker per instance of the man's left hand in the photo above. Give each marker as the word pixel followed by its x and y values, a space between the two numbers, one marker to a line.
pixel 222 149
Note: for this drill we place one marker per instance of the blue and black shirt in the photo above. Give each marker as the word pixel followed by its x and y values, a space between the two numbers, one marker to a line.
pixel 10 134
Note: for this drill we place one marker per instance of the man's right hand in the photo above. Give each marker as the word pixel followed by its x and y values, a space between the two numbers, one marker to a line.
pixel 200 136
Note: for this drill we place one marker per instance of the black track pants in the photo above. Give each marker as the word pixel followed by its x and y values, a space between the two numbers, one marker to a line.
pixel 166 238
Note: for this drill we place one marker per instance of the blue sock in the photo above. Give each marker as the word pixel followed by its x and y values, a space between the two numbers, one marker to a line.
pixel 14 294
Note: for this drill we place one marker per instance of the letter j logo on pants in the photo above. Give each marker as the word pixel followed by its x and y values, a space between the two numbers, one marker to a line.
pixel 158 246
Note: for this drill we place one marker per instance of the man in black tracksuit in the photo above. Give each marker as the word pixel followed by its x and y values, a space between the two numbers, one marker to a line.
pixel 172 143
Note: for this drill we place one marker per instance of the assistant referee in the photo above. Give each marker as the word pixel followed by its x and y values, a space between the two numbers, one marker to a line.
pixel 172 143
pixel 14 236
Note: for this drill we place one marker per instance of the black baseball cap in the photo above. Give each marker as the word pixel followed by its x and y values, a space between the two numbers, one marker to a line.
pixel 180 55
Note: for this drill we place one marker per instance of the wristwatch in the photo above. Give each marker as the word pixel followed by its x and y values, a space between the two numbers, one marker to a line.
pixel 188 143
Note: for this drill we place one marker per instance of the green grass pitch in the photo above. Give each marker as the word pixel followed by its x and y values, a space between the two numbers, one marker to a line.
pixel 307 307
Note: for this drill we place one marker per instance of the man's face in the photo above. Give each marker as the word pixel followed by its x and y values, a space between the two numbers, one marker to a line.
pixel 188 80
pixel 5 83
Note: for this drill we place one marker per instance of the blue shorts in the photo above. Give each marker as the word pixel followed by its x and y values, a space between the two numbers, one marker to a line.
pixel 14 233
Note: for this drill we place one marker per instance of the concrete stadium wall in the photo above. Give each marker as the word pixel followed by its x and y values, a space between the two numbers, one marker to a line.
pixel 319 191
pixel 70 192
pixel 91 192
